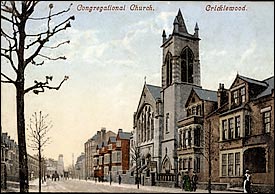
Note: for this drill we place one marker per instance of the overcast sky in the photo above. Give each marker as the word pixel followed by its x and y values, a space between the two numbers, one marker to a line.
pixel 110 53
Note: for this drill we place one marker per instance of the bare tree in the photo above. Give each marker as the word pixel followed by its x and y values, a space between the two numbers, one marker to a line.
pixel 210 153
pixel 38 131
pixel 21 48
pixel 136 157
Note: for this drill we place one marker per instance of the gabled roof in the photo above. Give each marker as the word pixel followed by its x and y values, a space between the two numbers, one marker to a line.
pixel 124 135
pixel 252 81
pixel 207 95
pixel 94 137
pixel 112 139
pixel 270 87
pixel 102 144
pixel 154 90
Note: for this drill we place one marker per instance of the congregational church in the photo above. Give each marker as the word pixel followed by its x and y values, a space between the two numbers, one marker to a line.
pixel 160 108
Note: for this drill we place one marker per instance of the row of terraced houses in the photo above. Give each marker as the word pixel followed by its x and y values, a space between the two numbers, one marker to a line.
pixel 10 163
pixel 180 126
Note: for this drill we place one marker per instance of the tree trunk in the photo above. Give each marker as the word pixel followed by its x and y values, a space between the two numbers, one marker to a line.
pixel 23 157
pixel 137 180
pixel 39 158
pixel 209 178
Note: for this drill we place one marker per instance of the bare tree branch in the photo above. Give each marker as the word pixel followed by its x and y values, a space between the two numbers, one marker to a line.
pixel 53 15
pixel 53 59
pixel 42 85
pixel 9 80
pixel 10 50
pixel 5 18
pixel 43 41
pixel 53 47
pixel 37 135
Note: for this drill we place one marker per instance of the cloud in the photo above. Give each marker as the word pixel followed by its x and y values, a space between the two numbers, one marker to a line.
pixel 248 53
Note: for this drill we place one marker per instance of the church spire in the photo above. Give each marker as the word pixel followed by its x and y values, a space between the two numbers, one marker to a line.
pixel 196 30
pixel 163 36
pixel 182 27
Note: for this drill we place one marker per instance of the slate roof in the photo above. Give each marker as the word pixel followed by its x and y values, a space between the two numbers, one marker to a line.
pixel 112 139
pixel 102 144
pixel 270 87
pixel 94 137
pixel 154 90
pixel 253 81
pixel 208 95
pixel 124 135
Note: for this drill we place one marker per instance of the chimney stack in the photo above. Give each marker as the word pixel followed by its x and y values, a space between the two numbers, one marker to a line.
pixel 222 95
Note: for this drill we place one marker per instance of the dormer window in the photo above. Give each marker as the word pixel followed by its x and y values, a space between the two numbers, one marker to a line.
pixel 235 97
pixel 243 94
pixel 238 95
pixel 193 110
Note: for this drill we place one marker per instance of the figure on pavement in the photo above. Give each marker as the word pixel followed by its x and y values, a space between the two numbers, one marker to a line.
pixel 119 179
pixel 247 182
pixel 186 182
pixel 194 181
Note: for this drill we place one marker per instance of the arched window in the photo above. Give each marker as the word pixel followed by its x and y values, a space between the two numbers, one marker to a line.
pixel 144 138
pixel 166 165
pixel 168 63
pixel 142 130
pixel 148 123
pixel 187 60
pixel 152 125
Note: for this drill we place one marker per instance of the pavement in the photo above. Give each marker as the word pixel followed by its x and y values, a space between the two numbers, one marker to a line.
pixel 162 189
pixel 33 187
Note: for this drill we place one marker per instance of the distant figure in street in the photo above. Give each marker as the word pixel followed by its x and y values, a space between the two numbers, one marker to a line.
pixel 186 182
pixel 110 179
pixel 119 179
pixel 194 181
pixel 247 182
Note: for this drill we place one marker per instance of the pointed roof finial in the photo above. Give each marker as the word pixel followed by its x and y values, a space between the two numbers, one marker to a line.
pixel 163 33
pixel 145 80
pixel 182 27
pixel 196 26
pixel 179 13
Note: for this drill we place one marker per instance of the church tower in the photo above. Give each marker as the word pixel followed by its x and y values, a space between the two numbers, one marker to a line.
pixel 180 72
pixel 181 55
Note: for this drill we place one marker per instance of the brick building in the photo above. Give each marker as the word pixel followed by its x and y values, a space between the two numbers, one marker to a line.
pixel 246 130
pixel 112 157
pixel 90 149
pixel 10 160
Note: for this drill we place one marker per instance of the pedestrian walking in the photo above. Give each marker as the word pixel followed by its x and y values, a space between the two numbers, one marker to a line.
pixel 194 181
pixel 186 182
pixel 247 182
pixel 119 179
pixel 110 179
